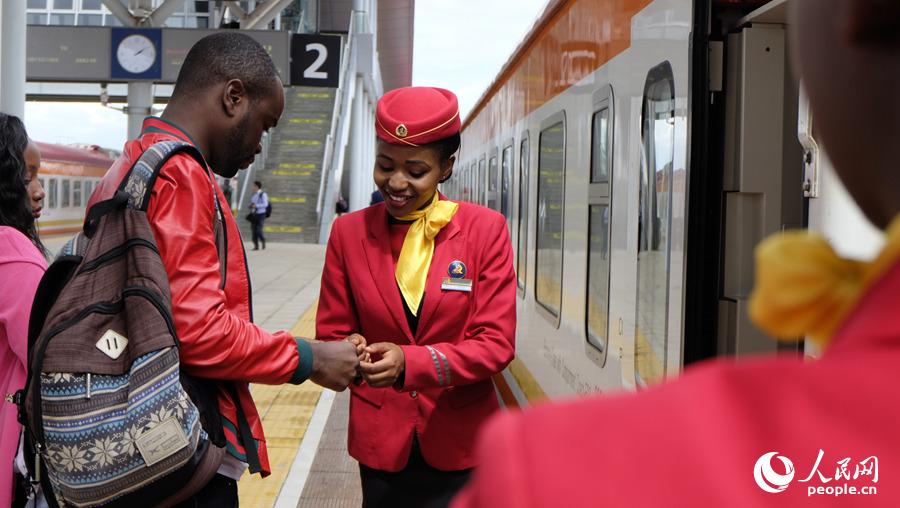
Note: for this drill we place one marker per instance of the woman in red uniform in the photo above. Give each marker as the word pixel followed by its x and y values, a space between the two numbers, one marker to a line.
pixel 428 284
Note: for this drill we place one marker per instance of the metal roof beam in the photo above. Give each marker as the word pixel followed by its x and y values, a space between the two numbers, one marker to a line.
pixel 120 12
pixel 236 9
pixel 162 13
pixel 264 14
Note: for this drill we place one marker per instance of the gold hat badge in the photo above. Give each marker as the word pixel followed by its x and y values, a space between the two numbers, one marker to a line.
pixel 401 131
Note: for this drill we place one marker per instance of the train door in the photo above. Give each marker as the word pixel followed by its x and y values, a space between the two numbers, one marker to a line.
pixel 493 194
pixel 654 225
pixel 762 178
pixel 481 184
pixel 506 184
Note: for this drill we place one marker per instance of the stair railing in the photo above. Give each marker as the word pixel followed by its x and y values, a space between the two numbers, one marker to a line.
pixel 337 139
pixel 259 163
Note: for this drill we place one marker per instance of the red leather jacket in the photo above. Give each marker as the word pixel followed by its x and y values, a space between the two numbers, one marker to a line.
pixel 215 328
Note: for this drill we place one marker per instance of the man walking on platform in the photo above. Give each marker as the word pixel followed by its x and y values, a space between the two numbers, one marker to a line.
pixel 259 205
pixel 227 94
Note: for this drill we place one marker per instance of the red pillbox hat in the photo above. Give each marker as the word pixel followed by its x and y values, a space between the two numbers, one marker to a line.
pixel 417 115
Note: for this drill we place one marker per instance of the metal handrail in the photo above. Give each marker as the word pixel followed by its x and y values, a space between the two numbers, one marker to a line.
pixel 342 96
pixel 258 162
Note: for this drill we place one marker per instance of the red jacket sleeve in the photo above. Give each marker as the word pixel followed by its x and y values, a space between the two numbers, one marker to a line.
pixel 215 343
pixel 501 479
pixel 337 317
pixel 489 342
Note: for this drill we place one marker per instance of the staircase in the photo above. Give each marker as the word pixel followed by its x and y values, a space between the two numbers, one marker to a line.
pixel 292 173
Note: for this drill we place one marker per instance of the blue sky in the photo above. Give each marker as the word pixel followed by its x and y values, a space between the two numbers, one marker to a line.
pixel 459 45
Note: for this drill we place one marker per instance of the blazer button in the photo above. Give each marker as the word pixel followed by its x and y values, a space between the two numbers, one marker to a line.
pixel 413 394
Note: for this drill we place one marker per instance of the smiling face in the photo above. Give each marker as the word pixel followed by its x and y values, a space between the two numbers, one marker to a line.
pixel 408 176
pixel 35 191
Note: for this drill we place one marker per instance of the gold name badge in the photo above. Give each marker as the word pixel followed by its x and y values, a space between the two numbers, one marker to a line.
pixel 448 284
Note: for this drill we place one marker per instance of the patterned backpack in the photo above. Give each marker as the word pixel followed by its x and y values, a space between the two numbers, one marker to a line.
pixel 110 419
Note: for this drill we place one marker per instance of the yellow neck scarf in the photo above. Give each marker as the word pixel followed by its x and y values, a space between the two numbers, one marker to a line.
pixel 804 288
pixel 418 249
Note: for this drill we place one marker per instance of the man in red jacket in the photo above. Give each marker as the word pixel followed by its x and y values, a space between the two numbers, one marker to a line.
pixel 227 94
pixel 767 432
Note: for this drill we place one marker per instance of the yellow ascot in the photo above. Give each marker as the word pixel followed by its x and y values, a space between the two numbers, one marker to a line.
pixel 804 288
pixel 418 248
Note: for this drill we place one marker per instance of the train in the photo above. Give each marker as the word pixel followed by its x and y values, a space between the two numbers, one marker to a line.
pixel 69 175
pixel 639 150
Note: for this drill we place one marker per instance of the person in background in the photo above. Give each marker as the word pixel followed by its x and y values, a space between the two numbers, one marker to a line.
pixel 227 191
pixel 770 431
pixel 259 202
pixel 22 264
pixel 340 206
pixel 428 285
pixel 227 95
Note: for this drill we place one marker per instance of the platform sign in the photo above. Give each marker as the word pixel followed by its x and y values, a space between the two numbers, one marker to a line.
pixel 59 53
pixel 178 41
pixel 315 60
pixel 78 54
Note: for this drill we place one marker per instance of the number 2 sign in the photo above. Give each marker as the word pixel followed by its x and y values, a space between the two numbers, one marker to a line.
pixel 315 60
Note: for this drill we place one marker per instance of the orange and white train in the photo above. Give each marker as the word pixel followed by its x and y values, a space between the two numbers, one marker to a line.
pixel 640 149
pixel 68 175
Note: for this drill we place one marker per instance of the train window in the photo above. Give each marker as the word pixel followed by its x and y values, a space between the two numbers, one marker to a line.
pixel 551 180
pixel 88 190
pixel 598 276
pixel 480 184
pixel 76 193
pixel 654 216
pixel 521 257
pixel 66 193
pixel 599 210
pixel 505 182
pixel 600 149
pixel 51 193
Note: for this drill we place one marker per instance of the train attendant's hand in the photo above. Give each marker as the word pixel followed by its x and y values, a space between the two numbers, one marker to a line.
pixel 334 364
pixel 389 365
pixel 360 342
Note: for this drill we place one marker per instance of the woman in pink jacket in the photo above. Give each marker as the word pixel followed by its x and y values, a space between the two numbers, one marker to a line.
pixel 21 265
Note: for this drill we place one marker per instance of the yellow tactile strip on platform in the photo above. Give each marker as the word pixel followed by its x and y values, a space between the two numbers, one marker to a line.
pixel 286 411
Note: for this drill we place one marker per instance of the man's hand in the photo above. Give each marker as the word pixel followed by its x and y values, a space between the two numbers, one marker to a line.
pixel 390 363
pixel 360 342
pixel 334 364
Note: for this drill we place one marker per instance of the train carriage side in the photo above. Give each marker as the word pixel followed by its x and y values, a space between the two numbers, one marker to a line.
pixel 561 149
pixel 68 175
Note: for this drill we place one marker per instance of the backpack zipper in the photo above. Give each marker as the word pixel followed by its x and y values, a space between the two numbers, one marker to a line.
pixel 115 252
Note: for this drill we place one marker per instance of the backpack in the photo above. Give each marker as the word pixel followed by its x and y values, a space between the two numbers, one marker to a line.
pixel 268 207
pixel 109 417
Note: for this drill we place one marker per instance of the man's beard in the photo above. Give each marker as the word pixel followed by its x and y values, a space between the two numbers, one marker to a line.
pixel 235 143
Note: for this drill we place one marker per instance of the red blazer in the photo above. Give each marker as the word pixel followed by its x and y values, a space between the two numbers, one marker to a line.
pixel 700 440
pixel 463 338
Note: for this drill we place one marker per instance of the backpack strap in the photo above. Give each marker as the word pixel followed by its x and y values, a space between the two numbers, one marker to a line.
pixel 138 183
pixel 250 451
